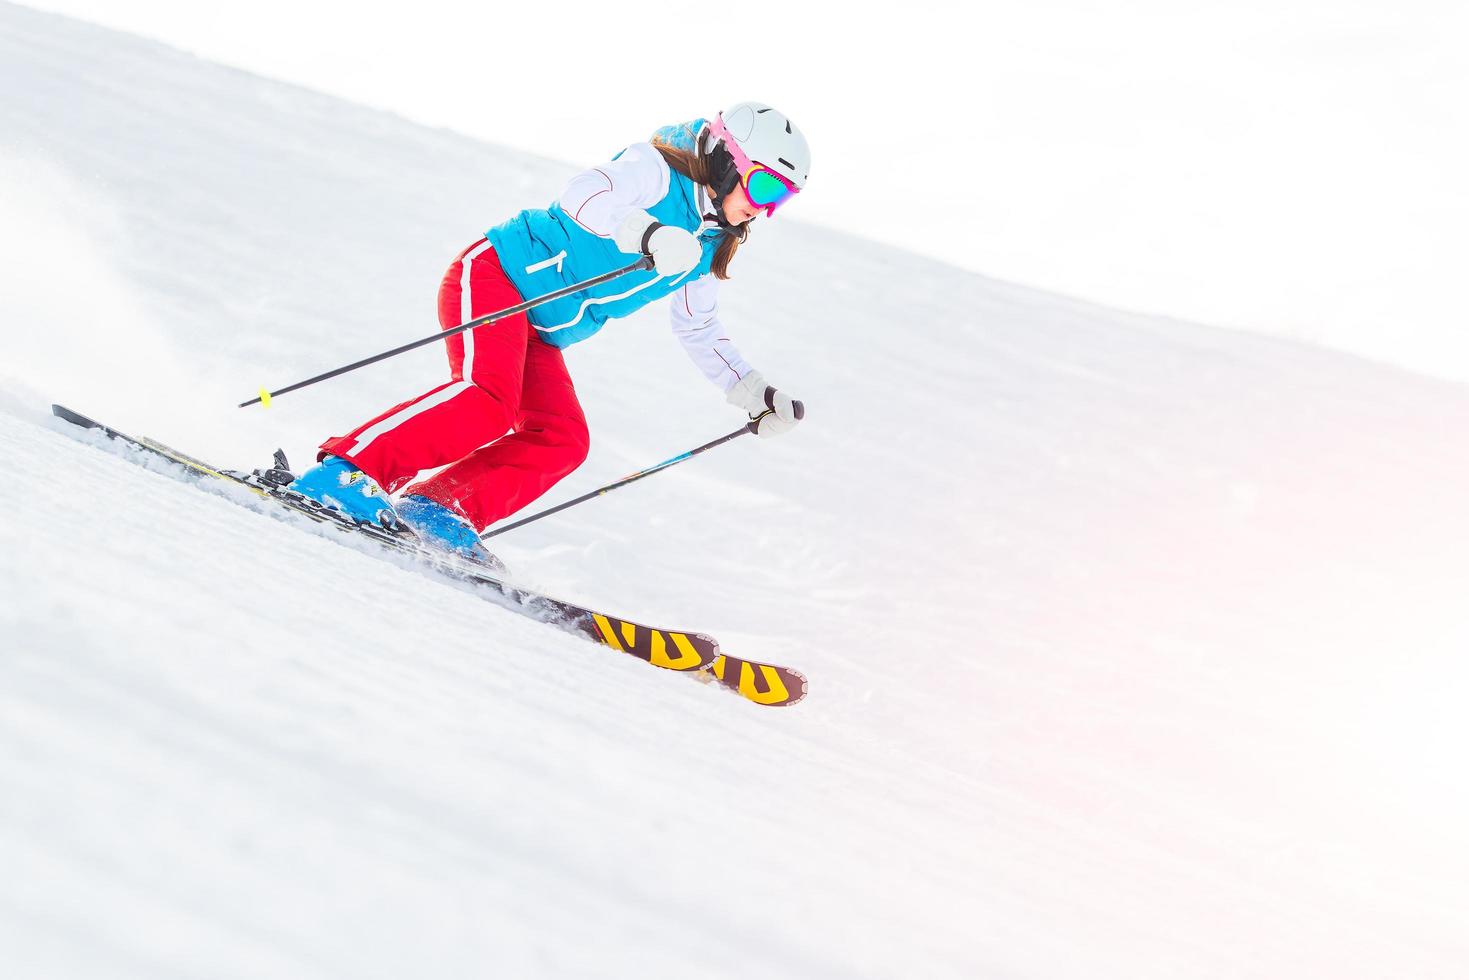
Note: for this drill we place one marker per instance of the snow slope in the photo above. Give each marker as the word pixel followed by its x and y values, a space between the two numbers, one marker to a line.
pixel 1137 647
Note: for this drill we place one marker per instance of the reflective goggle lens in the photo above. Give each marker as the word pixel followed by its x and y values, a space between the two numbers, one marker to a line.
pixel 765 189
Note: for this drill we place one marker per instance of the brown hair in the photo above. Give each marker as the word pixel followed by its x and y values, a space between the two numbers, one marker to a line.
pixel 696 166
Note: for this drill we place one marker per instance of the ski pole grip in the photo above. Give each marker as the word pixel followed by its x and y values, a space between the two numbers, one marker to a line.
pixel 753 426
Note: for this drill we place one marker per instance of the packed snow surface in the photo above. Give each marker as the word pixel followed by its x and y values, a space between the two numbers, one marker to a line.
pixel 1137 648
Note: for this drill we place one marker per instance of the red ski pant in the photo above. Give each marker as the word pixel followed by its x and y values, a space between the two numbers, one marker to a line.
pixel 504 379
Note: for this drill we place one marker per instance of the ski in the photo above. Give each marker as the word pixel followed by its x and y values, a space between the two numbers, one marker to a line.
pixel 678 650
pixel 671 649
pixel 767 684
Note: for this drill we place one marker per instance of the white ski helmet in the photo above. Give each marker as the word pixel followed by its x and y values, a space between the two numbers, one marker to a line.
pixel 763 135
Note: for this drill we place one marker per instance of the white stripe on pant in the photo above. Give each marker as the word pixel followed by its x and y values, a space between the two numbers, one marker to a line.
pixel 466 313
pixel 365 438
pixel 466 309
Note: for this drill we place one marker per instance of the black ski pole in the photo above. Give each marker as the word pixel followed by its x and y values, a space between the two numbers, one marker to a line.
pixel 644 263
pixel 747 429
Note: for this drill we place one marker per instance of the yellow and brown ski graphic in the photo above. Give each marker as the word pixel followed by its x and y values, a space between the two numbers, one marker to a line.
pixel 766 684
pixel 661 648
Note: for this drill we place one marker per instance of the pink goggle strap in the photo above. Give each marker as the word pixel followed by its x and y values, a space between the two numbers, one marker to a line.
pixel 744 164
pixel 736 152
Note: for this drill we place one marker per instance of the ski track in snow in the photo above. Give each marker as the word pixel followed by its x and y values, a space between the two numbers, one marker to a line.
pixel 1136 647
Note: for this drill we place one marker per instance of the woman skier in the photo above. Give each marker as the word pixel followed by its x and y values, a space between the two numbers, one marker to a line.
pixel 685 199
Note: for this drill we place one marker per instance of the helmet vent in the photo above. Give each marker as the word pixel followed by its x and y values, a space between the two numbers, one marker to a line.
pixel 788 125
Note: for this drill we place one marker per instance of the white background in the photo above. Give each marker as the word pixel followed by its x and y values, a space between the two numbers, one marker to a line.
pixel 1136 648
pixel 1292 167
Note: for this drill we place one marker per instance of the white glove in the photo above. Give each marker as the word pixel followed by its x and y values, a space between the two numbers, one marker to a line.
pixel 674 250
pixel 772 411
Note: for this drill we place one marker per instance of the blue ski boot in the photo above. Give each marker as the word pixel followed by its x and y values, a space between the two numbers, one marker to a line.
pixel 338 484
pixel 440 527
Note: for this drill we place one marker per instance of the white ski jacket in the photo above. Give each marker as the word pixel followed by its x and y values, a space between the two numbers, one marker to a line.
pixel 600 199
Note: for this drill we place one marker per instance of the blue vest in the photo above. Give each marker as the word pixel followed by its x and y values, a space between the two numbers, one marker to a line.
pixel 545 250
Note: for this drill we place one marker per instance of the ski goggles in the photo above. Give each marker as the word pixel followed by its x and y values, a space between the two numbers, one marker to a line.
pixel 764 187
